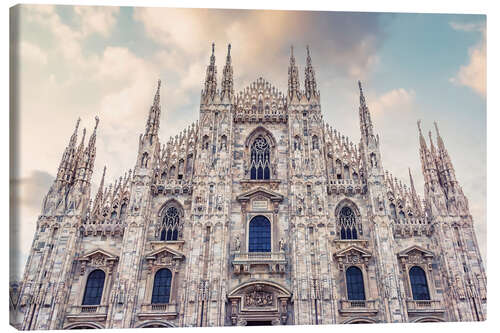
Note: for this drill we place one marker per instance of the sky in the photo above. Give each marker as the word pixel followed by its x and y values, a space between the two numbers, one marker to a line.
pixel 78 61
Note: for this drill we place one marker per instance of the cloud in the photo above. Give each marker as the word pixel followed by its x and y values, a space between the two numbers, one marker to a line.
pixel 32 52
pixel 473 75
pixel 98 20
pixel 396 100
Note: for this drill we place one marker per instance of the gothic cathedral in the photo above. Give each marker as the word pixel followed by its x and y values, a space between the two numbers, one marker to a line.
pixel 258 214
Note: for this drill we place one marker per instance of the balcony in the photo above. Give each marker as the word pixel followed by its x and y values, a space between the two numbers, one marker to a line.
pixel 173 186
pixel 346 186
pixel 424 307
pixel 86 312
pixel 369 307
pixel 158 311
pixel 264 262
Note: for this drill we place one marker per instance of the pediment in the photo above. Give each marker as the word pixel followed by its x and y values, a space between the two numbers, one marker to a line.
pixel 352 250
pixel 260 191
pixel 266 286
pixel 414 250
pixel 98 253
pixel 164 251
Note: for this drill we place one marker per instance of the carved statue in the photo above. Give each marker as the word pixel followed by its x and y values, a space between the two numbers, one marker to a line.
pixel 237 243
pixel 282 244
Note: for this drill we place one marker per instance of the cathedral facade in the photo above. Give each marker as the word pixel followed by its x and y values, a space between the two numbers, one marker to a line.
pixel 259 213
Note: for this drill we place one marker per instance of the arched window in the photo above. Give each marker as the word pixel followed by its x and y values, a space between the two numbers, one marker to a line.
pixel 171 173
pixel 205 143
pixel 180 172
pixel 355 284
pixel 223 143
pixel 296 143
pixel 419 287
pixel 171 224
pixel 315 142
pixel 402 216
pixel 393 210
pixel 348 225
pixel 259 239
pixel 144 161
pixel 260 159
pixel 161 287
pixel 94 287
pixel 346 172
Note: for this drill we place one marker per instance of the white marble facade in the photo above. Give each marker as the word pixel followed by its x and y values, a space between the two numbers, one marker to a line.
pixel 198 191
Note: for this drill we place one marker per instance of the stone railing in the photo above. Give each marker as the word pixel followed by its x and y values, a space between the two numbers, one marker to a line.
pixel 426 306
pixel 358 306
pixel 345 186
pixel 84 312
pixel 243 261
pixel 158 311
pixel 172 186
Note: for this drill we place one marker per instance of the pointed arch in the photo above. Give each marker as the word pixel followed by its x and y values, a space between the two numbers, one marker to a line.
pixel 171 221
pixel 260 131
pixel 348 220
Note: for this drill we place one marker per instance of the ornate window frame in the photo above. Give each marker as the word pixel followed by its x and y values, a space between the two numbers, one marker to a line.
pixel 357 257
pixel 417 256
pixel 162 211
pixel 96 259
pixel 357 215
pixel 163 257
pixel 260 131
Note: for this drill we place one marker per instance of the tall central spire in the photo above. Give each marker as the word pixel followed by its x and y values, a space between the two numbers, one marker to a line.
pixel 310 78
pixel 153 122
pixel 211 78
pixel 227 78
pixel 293 79
pixel 364 115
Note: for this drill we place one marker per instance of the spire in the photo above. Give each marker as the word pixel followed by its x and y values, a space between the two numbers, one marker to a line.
pixel 310 78
pixel 64 171
pixel 423 145
pixel 293 79
pixel 72 140
pixel 227 78
pixel 433 150
pixel 366 125
pixel 414 195
pixel 211 77
pixel 98 200
pixel 153 122
pixel 439 138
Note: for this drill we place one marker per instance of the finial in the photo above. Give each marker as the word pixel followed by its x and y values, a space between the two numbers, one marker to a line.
pixel 291 47
pixel 96 122
pixel 418 125
pixel 360 87
pixel 307 48
pixel 229 50
pixel 437 129
pixel 213 48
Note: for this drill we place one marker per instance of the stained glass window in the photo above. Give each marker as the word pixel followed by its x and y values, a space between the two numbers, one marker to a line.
pixel 348 225
pixel 259 239
pixel 355 285
pixel 260 159
pixel 94 287
pixel 161 287
pixel 419 287
pixel 170 224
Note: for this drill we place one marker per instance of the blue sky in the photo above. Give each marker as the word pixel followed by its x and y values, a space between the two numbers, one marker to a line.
pixel 86 61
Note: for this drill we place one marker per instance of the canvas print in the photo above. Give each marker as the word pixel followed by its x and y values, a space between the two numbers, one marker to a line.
pixel 216 167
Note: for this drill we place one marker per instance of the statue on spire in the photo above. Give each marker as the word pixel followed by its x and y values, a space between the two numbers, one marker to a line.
pixel 310 78
pixel 293 79
pixel 227 78
pixel 211 78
